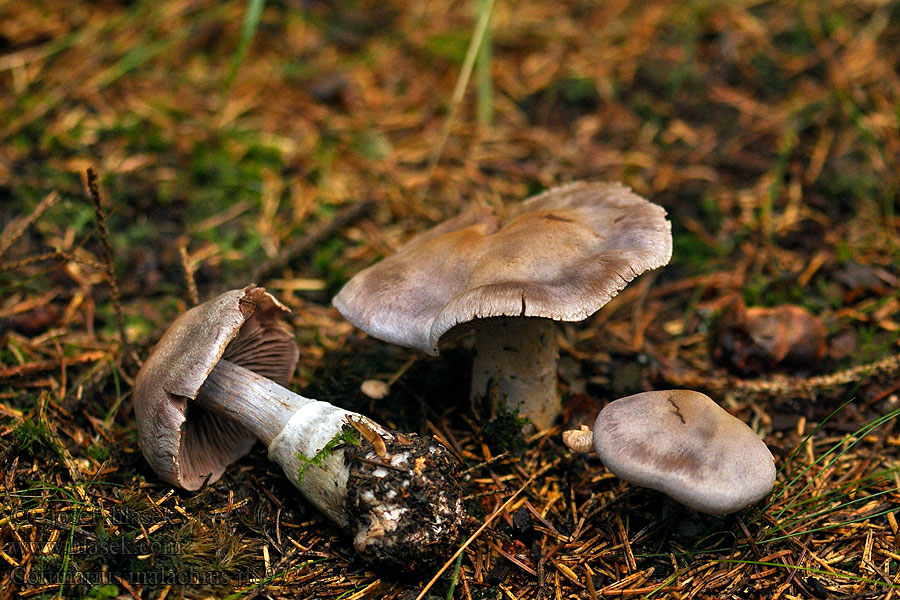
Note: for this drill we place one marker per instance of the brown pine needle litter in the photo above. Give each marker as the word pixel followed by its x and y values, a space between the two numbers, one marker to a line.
pixel 768 131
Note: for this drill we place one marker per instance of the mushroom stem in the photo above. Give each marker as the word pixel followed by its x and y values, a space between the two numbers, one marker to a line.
pixel 399 497
pixel 236 392
pixel 515 367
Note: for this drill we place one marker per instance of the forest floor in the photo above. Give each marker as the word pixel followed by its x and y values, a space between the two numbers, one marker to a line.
pixel 296 149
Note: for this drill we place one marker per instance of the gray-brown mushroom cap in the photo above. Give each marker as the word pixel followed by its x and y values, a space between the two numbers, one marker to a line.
pixel 560 255
pixel 184 443
pixel 683 444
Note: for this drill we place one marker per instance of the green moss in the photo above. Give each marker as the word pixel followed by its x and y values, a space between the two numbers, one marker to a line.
pixel 98 452
pixel 372 145
pixel 770 73
pixel 33 437
pixel 503 433
pixel 450 45
pixel 139 134
pixel 691 251
pixel 873 343
pixel 485 593
pixel 347 437
pixel 102 592
pixel 327 265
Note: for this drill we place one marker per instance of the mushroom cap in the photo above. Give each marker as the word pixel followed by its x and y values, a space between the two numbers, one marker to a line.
pixel 183 442
pixel 560 255
pixel 683 444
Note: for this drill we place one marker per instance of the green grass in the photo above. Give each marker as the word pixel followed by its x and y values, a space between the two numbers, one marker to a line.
pixel 248 32
pixel 792 512
pixel 483 65
pixel 504 433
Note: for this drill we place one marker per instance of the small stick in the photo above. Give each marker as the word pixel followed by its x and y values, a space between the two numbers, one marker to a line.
pixel 18 227
pixel 48 365
pixel 66 256
pixel 793 387
pixel 110 270
pixel 188 267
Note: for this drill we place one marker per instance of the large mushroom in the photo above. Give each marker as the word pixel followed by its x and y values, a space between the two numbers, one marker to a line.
pixel 558 256
pixel 683 444
pixel 213 385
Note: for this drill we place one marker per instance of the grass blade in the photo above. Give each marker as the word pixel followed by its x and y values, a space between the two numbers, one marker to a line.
pixel 248 32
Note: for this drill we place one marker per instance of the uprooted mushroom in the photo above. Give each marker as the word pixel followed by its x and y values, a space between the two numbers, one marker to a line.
pixel 214 383
pixel 559 256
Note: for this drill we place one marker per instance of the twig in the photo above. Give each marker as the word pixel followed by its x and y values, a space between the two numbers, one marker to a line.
pixel 188 267
pixel 57 253
pixel 786 387
pixel 110 269
pixel 30 260
pixel 487 463
pixel 319 234
pixel 14 230
pixel 48 365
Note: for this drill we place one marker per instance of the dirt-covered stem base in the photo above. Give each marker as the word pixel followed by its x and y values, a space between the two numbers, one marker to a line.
pixel 403 507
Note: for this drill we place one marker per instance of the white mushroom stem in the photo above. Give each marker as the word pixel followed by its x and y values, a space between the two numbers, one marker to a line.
pixel 397 494
pixel 235 391
pixel 515 367
pixel 290 425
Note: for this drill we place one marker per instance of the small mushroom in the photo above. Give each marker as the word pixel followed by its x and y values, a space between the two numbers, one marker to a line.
pixel 579 440
pixel 213 384
pixel 683 444
pixel 558 256
pixel 375 389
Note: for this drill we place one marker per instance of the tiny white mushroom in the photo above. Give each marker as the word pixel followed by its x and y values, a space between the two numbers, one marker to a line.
pixel 374 389
pixel 579 440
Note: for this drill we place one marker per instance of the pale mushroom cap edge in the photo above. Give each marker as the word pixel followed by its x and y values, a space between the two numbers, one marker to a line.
pixel 561 255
